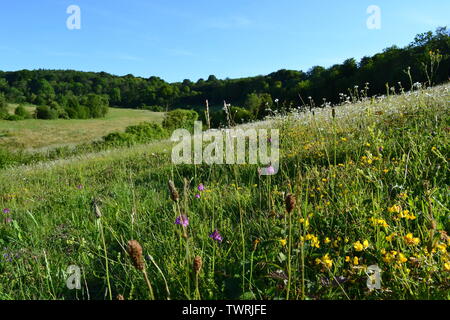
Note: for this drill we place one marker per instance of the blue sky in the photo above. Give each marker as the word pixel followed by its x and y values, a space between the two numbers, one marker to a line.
pixel 179 39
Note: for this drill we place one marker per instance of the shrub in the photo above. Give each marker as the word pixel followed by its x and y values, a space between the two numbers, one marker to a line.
pixel 147 132
pixel 3 107
pixel 144 132
pixel 118 139
pixel 45 112
pixel 97 105
pixel 14 117
pixel 22 112
pixel 180 119
pixel 240 115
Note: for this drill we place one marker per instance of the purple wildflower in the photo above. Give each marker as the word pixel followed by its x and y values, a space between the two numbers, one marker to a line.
pixel 7 257
pixel 380 149
pixel 216 236
pixel 201 187
pixel 198 196
pixel 270 170
pixel 182 221
pixel 6 211
pixel 80 186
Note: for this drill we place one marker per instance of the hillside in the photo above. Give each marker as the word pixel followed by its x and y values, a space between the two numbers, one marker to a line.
pixel 370 186
pixel 68 91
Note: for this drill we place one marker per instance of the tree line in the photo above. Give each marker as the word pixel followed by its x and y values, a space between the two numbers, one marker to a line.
pixel 75 94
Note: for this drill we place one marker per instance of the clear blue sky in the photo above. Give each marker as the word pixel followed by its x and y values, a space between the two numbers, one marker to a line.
pixel 178 39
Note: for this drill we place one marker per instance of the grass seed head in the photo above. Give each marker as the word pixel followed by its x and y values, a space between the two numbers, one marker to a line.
pixel 135 252
pixel 173 191
pixel 198 264
pixel 96 208
pixel 290 203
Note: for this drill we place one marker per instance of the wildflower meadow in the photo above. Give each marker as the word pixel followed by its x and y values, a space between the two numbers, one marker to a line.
pixel 361 196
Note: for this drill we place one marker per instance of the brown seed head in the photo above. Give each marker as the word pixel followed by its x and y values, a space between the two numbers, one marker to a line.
pixel 290 203
pixel 135 252
pixel 96 208
pixel 197 264
pixel 173 191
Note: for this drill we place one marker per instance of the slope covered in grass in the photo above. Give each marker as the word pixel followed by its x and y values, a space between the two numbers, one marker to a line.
pixel 44 134
pixel 371 188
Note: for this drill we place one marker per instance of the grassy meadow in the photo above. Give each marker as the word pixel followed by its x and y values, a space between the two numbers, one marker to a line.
pixel 37 134
pixel 367 185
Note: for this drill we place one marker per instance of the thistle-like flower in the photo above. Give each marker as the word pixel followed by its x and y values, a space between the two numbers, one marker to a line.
pixel 216 236
pixel 182 220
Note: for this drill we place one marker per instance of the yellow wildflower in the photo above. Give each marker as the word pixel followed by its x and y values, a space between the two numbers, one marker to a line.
pixel 304 221
pixel 395 209
pixel 409 238
pixel 391 237
pixel 327 260
pixel 366 244
pixel 401 258
pixel 442 247
pixel 447 266
pixel 358 246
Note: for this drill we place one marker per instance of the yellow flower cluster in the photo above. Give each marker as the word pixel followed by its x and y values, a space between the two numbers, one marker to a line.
pixel 395 209
pixel 315 242
pixel 442 247
pixel 361 246
pixel 355 260
pixel 379 222
pixel 392 256
pixel 391 237
pixel 410 240
pixel 304 222
pixel 405 214
pixel 326 260
pixel 447 266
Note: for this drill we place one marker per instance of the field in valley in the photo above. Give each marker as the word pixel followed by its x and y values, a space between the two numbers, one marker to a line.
pixel 368 186
pixel 39 134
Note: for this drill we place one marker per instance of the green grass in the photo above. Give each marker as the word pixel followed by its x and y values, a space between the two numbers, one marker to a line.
pixel 340 177
pixel 46 134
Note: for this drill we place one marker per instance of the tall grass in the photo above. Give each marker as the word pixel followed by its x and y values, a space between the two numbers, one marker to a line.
pixel 369 179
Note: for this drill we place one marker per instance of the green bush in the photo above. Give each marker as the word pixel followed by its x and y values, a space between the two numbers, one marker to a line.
pixel 144 132
pixel 22 112
pixel 240 115
pixel 147 131
pixel 14 117
pixel 118 139
pixel 45 112
pixel 3 107
pixel 180 119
